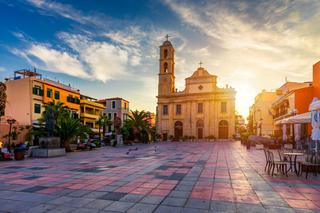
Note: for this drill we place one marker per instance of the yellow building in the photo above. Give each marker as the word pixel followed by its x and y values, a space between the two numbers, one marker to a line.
pixel 28 92
pixel 90 112
pixel 201 110
pixel 261 118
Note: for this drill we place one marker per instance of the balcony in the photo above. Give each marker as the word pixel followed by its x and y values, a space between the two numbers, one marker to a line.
pixel 89 115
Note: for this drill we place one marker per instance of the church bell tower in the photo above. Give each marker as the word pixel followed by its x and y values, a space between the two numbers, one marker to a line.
pixel 166 72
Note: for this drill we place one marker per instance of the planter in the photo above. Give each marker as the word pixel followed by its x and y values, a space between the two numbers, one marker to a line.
pixel 259 146
pixel 18 154
pixel 288 146
pixel 73 147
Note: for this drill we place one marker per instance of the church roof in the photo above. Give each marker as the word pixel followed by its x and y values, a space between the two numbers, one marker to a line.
pixel 167 43
pixel 201 72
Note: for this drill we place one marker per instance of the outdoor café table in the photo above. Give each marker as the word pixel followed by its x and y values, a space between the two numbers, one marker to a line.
pixel 293 163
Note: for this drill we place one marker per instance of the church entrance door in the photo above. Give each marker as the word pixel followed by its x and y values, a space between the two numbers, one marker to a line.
pixel 178 130
pixel 200 133
pixel 200 125
pixel 223 129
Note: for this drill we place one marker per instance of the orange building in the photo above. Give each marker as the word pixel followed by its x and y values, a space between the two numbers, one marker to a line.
pixel 294 99
pixel 28 92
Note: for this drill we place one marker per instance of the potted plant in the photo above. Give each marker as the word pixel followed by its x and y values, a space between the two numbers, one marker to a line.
pixel 19 151
pixel 211 138
pixel 192 138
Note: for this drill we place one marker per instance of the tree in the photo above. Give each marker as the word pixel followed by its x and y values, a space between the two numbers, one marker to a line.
pixel 103 121
pixel 68 129
pixel 139 122
pixel 64 125
pixel 3 98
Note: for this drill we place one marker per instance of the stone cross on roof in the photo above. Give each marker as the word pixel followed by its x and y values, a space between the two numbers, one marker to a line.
pixel 167 37
pixel 200 63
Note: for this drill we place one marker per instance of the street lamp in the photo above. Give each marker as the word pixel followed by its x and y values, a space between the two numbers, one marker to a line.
pixel 10 122
pixel 255 119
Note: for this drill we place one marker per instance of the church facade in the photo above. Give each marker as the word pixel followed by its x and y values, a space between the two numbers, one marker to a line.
pixel 201 110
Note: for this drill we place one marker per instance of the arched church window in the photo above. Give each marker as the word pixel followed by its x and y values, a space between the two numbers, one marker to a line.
pixel 165 53
pixel 165 67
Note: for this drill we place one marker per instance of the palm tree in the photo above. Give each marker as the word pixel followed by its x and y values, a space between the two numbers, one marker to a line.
pixel 139 122
pixel 103 121
pixel 3 98
pixel 68 129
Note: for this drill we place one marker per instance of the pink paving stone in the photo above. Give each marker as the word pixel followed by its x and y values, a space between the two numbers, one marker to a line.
pixel 141 191
pixel 166 186
pixel 252 199
pixel 223 197
pixel 290 195
pixel 160 192
pixel 201 195
pixel 302 204
pixel 77 186
pixel 125 189
pixel 49 190
pixel 312 196
pixel 306 190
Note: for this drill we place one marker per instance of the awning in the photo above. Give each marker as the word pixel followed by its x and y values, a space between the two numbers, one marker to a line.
pixel 297 119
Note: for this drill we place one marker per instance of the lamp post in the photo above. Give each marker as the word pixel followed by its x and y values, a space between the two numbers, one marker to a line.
pixel 10 122
pixel 260 126
pixel 255 119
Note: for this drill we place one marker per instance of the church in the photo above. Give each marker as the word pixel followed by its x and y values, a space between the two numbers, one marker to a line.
pixel 202 109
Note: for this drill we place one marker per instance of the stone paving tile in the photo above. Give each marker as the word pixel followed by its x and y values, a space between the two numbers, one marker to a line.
pixel 115 196
pixel 63 209
pixel 142 208
pixel 119 206
pixel 98 204
pixel 42 208
pixel 152 199
pixel 166 209
pixel 220 206
pixel 183 177
pixel 172 201
pixel 134 198
pixel 198 204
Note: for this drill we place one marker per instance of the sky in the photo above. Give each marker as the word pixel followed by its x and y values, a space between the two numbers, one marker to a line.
pixel 111 48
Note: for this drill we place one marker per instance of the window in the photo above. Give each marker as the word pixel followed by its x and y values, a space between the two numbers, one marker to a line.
pixel 109 115
pixel 200 107
pixel 114 115
pixel 56 95
pixel 113 104
pixel 36 90
pixel 165 53
pixel 165 67
pixel 178 109
pixel 125 105
pixel 37 108
pixel 223 107
pixel 165 110
pixel 49 93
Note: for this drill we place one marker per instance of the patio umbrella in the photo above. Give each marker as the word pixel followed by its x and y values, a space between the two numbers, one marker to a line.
pixel 297 132
pixel 284 132
pixel 315 122
pixel 314 107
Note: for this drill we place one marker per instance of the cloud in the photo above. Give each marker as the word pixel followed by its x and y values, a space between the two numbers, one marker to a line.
pixel 87 59
pixel 67 11
pixel 2 69
pixel 253 45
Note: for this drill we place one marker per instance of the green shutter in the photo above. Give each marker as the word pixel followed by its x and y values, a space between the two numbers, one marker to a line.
pixel 37 108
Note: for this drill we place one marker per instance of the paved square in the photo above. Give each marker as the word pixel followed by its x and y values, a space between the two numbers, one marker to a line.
pixel 177 177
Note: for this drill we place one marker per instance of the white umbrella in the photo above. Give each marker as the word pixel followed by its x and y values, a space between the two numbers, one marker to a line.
pixel 315 125
pixel 284 132
pixel 297 132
